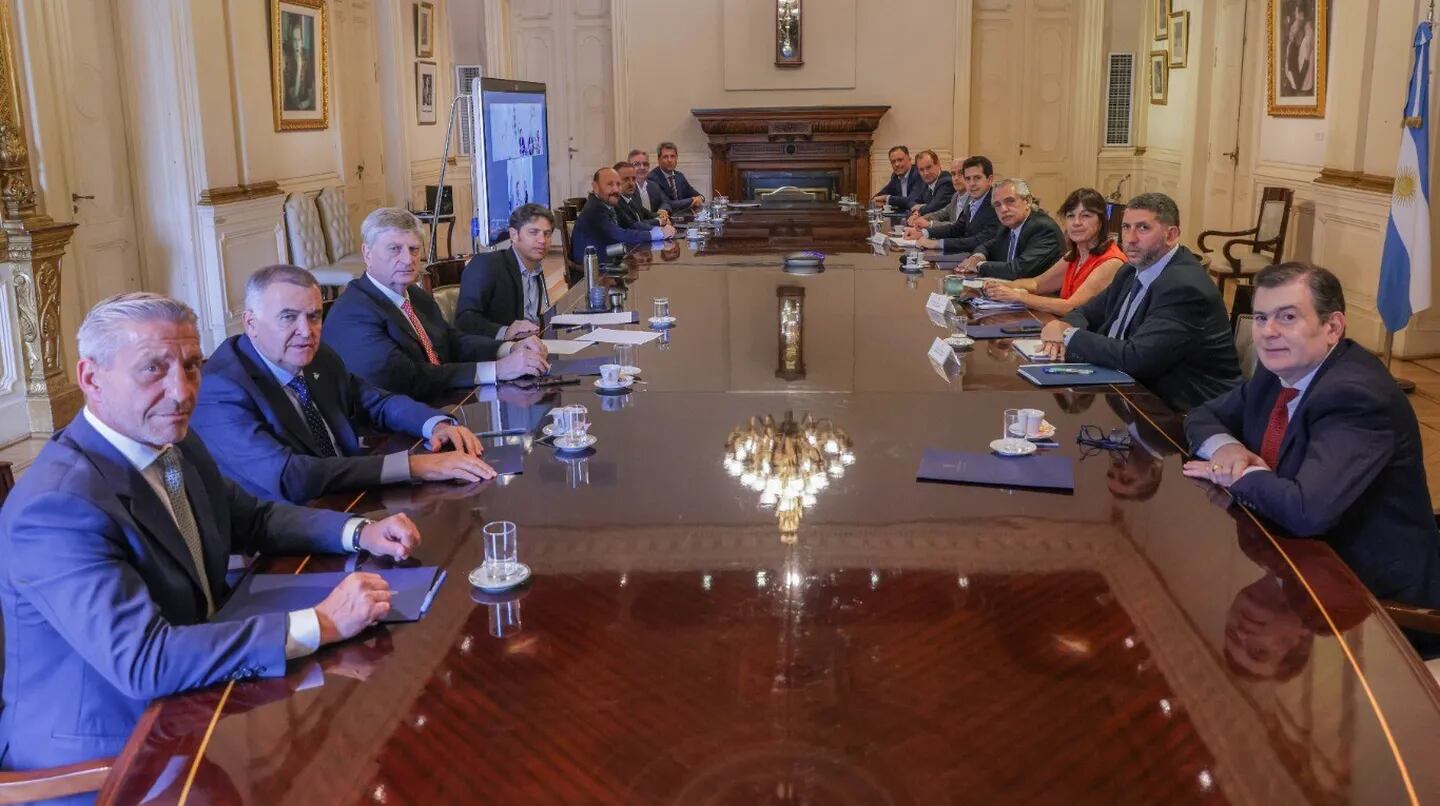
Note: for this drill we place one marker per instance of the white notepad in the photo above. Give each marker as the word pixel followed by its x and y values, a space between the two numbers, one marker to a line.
pixel 608 336
pixel 564 347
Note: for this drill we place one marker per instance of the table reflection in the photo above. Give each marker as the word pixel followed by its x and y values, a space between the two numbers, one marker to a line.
pixel 788 463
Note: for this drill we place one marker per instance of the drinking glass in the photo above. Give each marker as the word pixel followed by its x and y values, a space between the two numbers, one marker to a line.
pixel 959 325
pixel 500 552
pixel 662 307
pixel 504 619
pixel 625 355
pixel 1012 425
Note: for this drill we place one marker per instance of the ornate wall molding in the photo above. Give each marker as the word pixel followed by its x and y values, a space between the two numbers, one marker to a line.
pixel 212 197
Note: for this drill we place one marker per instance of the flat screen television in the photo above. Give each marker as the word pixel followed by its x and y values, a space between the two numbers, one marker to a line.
pixel 511 165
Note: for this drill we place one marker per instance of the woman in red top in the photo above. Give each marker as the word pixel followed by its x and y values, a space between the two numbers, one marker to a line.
pixel 1089 264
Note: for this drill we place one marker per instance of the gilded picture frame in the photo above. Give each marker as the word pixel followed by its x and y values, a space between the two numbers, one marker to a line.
pixel 1297 51
pixel 1159 78
pixel 424 30
pixel 299 64
pixel 1179 38
pixel 1162 19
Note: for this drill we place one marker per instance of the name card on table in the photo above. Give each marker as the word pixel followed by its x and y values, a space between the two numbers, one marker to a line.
pixel 940 352
pixel 939 303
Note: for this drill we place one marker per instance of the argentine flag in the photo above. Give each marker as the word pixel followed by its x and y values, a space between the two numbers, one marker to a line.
pixel 1405 263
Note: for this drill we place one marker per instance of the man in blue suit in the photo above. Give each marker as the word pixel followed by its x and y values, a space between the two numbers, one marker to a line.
pixel 675 190
pixel 389 331
pixel 1321 440
pixel 936 186
pixel 598 224
pixel 115 544
pixel 904 183
pixel 281 412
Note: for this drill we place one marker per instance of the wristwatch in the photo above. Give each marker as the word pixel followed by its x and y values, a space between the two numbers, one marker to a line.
pixel 355 535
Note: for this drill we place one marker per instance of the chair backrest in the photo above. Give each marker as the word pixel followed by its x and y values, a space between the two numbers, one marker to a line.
pixel 565 221
pixel 1274 221
pixel 447 297
pixel 335 221
pixel 447 201
pixel 445 272
pixel 307 238
pixel 1245 343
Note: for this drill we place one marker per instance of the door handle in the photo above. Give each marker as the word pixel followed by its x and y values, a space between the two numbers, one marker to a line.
pixel 75 197
pixel 1024 146
pixel 1233 155
pixel 572 150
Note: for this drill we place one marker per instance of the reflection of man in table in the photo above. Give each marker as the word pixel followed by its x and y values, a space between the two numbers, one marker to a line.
pixel 298 78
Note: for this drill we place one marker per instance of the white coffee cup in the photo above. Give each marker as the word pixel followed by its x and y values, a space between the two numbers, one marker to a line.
pixel 693 232
pixel 1030 420
pixel 610 374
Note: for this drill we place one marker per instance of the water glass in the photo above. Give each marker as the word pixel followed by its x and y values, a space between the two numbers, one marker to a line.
pixel 959 325
pixel 501 556
pixel 1012 425
pixel 505 619
pixel 662 307
pixel 625 355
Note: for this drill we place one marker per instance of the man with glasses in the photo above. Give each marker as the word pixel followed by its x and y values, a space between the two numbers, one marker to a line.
pixel 645 191
pixel 1027 243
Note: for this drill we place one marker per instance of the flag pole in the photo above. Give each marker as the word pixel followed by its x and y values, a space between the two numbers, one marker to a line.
pixel 1406 385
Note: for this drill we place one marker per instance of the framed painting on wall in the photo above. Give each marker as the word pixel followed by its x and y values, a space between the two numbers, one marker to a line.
pixel 426 88
pixel 1159 76
pixel 299 76
pixel 1296 54
pixel 1179 37
pixel 424 30
pixel 1162 18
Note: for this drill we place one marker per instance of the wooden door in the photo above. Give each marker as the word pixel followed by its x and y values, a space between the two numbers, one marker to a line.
pixel 566 45
pixel 1022 91
pixel 1221 202
pixel 361 132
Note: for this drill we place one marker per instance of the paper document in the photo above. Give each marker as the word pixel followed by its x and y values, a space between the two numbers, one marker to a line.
pixel 608 336
pixel 1033 349
pixel 940 303
pixel 564 347
pixel 609 318
pixel 904 243
pixel 983 304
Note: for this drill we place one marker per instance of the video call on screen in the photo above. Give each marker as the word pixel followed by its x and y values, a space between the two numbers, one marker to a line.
pixel 516 169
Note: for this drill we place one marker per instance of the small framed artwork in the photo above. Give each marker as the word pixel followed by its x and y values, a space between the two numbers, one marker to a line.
pixel 299 80
pixel 1295 58
pixel 424 30
pixel 1159 76
pixel 1179 37
pixel 1162 18
pixel 426 88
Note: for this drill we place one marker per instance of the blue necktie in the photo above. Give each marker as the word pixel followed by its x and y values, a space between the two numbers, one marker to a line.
pixel 313 420
pixel 1014 242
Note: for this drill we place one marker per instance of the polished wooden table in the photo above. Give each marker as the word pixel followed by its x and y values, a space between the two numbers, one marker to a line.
pixel 907 643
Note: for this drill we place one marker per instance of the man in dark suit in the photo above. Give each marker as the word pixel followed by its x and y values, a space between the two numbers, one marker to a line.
pixel 598 224
pixel 115 544
pixel 502 293
pixel 1161 321
pixel 631 211
pixel 969 220
pixel 1322 442
pixel 904 182
pixel 390 332
pixel 936 187
pixel 281 412
pixel 1025 245
pixel 675 189
pixel 646 193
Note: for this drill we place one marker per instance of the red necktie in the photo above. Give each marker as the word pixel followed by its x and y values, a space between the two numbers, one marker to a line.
pixel 420 332
pixel 1275 429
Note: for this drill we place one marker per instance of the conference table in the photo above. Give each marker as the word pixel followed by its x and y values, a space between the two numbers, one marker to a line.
pixel 883 640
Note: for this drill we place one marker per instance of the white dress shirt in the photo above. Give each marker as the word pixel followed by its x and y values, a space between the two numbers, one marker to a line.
pixel 302 626
pixel 484 370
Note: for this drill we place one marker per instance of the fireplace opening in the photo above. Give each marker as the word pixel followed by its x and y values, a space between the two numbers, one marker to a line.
pixel 822 185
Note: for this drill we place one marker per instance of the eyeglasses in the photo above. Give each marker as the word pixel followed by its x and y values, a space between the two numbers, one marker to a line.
pixel 1092 440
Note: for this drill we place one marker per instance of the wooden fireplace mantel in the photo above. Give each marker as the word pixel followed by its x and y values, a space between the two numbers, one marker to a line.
pixel 773 138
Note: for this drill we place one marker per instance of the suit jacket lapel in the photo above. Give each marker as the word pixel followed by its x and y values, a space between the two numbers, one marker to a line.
pixel 213 545
pixel 394 314
pixel 137 496
pixel 324 393
pixel 517 281
pixel 1297 424
pixel 286 415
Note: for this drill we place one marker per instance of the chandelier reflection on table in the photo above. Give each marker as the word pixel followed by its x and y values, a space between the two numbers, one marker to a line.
pixel 788 463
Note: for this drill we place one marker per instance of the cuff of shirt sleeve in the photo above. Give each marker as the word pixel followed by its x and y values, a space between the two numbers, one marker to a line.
pixel 395 469
pixel 1253 469
pixel 1069 332
pixel 302 635
pixel 500 334
pixel 347 533
pixel 428 429
pixel 656 234
pixel 1210 446
pixel 485 372
pixel 505 349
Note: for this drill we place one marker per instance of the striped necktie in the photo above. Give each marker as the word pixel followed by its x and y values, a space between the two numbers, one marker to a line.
pixel 420 332
pixel 173 476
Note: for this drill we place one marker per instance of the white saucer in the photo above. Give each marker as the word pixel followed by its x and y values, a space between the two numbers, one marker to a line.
pixel 628 371
pixel 625 383
pixel 1013 447
pixel 565 443
pixel 662 321
pixel 959 341
pixel 481 578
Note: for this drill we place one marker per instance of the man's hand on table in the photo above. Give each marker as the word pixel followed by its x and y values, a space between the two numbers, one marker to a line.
pixel 520 363
pixel 458 437
pixel 1225 466
pixel 1053 338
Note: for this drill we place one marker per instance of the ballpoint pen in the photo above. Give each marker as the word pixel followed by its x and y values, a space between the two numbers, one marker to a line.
pixel 1068 371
